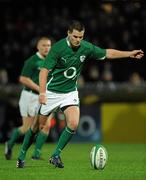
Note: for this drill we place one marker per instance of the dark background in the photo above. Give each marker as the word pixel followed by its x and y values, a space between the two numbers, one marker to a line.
pixel 109 24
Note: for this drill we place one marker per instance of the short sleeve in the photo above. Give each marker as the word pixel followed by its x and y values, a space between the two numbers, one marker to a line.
pixel 98 53
pixel 27 68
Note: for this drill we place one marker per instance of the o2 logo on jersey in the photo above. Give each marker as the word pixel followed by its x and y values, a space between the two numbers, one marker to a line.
pixel 70 72
pixel 82 58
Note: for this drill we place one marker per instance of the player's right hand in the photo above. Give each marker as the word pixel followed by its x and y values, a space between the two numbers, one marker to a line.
pixel 42 98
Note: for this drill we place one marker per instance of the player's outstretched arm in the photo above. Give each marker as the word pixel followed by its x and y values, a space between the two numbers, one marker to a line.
pixel 113 54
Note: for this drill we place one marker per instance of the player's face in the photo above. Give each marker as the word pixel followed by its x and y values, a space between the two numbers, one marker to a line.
pixel 44 46
pixel 75 37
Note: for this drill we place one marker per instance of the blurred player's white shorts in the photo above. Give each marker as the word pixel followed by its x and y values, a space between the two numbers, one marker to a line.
pixel 55 100
pixel 28 103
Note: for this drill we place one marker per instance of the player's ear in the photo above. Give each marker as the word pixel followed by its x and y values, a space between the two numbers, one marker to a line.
pixel 37 46
pixel 68 32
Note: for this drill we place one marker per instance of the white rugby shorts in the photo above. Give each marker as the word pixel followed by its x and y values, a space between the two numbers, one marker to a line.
pixel 55 100
pixel 28 103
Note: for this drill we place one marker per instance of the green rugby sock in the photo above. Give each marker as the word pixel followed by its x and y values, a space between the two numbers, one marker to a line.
pixel 63 140
pixel 15 135
pixel 28 139
pixel 40 140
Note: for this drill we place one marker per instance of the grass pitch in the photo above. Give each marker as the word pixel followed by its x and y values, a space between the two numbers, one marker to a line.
pixel 125 162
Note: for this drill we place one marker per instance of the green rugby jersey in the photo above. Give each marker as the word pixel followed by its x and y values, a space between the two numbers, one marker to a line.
pixel 32 68
pixel 66 64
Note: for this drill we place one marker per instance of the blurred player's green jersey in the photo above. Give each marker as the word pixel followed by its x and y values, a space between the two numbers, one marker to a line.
pixel 32 68
pixel 66 64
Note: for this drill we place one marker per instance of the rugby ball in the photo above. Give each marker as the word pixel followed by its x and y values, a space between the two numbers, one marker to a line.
pixel 98 157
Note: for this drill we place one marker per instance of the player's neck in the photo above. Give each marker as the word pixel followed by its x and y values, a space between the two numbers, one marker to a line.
pixel 74 48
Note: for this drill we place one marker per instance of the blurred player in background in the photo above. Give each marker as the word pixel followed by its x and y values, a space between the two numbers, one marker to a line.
pixel 58 82
pixel 29 102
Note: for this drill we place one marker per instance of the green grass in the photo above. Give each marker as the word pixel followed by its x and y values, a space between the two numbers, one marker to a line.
pixel 126 162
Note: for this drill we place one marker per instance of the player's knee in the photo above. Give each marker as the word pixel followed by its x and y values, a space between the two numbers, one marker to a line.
pixel 23 129
pixel 41 126
pixel 46 129
pixel 73 125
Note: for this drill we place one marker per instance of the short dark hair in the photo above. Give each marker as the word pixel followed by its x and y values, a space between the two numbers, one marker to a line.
pixel 43 38
pixel 74 24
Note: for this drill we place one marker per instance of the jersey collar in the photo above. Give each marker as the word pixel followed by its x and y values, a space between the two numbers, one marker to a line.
pixel 68 43
pixel 39 55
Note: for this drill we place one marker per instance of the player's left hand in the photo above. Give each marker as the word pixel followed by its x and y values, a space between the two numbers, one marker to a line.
pixel 138 54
